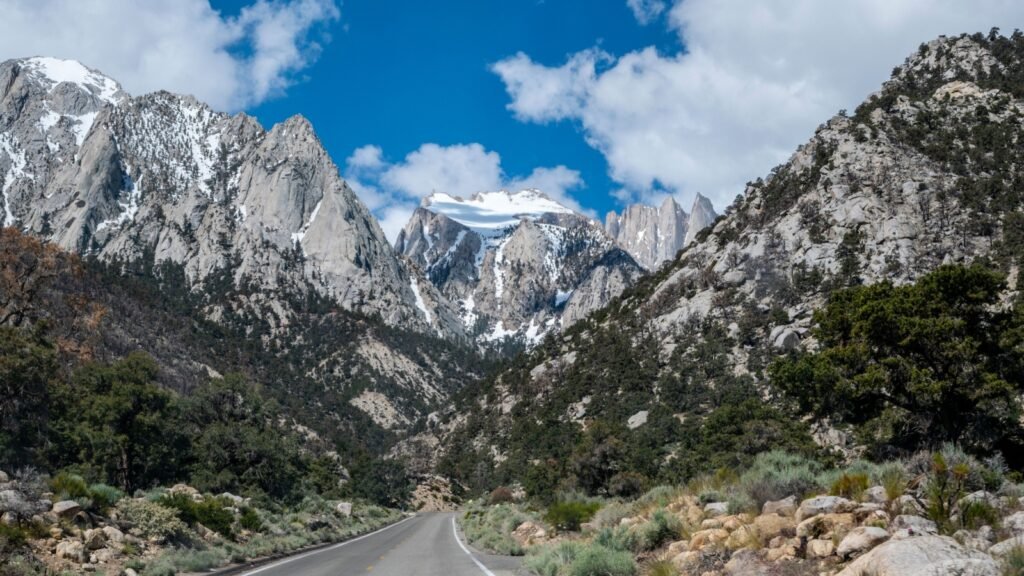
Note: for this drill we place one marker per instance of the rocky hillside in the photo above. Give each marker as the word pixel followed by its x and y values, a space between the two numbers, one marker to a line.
pixel 927 171
pixel 519 265
pixel 653 235
pixel 165 178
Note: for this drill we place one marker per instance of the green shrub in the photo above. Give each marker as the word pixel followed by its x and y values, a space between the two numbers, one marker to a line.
pixel 977 513
pixel 776 475
pixel 612 513
pixel 600 561
pixel 68 486
pixel 850 486
pixel 663 527
pixel 893 477
pixel 549 560
pixel 250 520
pixel 661 568
pixel 209 512
pixel 491 528
pixel 151 520
pixel 578 559
pixel 568 516
pixel 660 496
pixel 104 497
pixel 12 537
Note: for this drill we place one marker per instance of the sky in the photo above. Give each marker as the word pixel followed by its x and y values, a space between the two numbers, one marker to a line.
pixel 598 103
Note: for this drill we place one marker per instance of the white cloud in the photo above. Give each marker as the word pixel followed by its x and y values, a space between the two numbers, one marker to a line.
pixel 393 190
pixel 179 45
pixel 646 11
pixel 755 79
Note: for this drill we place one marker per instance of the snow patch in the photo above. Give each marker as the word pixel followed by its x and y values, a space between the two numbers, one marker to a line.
pixel 298 236
pixel 129 208
pixel 561 297
pixel 16 171
pixel 58 71
pixel 489 213
pixel 419 299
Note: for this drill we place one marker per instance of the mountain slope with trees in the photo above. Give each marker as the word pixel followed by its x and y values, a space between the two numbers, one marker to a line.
pixel 673 378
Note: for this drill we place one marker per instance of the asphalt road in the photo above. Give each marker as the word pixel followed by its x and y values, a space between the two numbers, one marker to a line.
pixel 424 545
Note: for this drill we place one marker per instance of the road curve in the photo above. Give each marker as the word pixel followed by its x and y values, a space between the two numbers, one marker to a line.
pixel 424 545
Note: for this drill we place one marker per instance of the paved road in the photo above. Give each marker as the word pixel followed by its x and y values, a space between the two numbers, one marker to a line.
pixel 424 545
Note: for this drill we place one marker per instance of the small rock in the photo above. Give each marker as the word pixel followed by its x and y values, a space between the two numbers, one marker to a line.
pixel 876 494
pixel 113 534
pixel 825 525
pixel 9 518
pixel 784 507
pixel 824 505
pixel 344 508
pixel 66 508
pixel 820 548
pixel 4 477
pixel 71 550
pixel 677 548
pixel 715 509
pixel 860 540
pixel 637 420
pixel 711 524
pixel 130 572
pixel 743 537
pixel 529 534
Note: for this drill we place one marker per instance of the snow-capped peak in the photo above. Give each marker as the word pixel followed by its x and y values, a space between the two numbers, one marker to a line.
pixel 56 71
pixel 488 213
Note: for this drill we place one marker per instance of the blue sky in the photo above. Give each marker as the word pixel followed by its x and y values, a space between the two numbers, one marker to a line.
pixel 598 103
pixel 398 73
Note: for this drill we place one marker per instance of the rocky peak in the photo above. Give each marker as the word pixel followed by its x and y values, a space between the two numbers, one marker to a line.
pixel 702 215
pixel 651 235
pixel 163 176
pixel 517 264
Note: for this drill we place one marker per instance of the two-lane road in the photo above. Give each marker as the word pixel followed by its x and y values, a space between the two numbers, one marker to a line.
pixel 424 545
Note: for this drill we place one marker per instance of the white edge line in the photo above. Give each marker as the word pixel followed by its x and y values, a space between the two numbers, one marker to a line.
pixel 338 545
pixel 479 564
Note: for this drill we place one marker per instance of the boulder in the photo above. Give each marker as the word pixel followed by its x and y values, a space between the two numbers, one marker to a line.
pixel 743 537
pixel 677 548
pixel 907 505
pixel 637 420
pixel 12 501
pixel 746 563
pixel 129 572
pixel 94 539
pixel 9 519
pixel 785 507
pixel 708 537
pixel 1014 522
pixel 71 550
pixel 66 508
pixel 906 525
pixel 922 556
pixel 771 525
pixel 716 509
pixel 825 525
pixel 4 477
pixel 1003 548
pixel 529 534
pixel 860 540
pixel 784 339
pixel 687 562
pixel 344 508
pixel 975 539
pixel 113 534
pixel 820 548
pixel 824 505
pixel 876 495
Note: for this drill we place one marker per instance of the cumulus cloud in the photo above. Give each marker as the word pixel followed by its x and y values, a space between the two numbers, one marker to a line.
pixel 646 11
pixel 179 45
pixel 393 190
pixel 753 82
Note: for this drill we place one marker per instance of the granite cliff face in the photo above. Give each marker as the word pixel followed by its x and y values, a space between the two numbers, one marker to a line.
pixel 164 177
pixel 518 265
pixel 652 235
